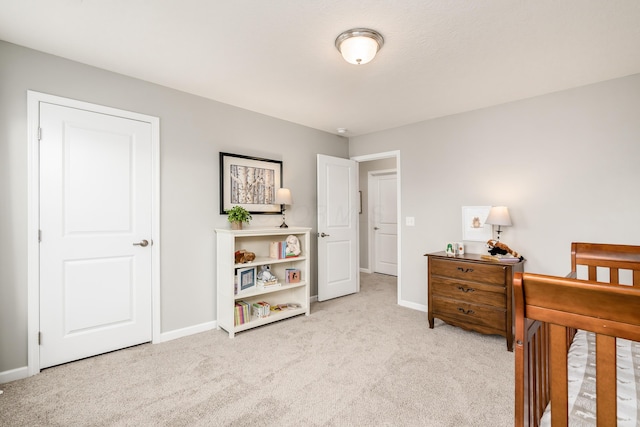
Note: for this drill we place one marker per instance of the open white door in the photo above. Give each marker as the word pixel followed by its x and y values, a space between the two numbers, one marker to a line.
pixel 338 203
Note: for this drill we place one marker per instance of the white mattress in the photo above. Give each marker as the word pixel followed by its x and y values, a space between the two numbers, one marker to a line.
pixel 582 385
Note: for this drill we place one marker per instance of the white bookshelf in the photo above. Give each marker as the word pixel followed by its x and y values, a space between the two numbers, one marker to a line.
pixel 258 241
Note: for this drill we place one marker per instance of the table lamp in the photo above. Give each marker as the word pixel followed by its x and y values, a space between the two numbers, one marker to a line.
pixel 283 198
pixel 499 215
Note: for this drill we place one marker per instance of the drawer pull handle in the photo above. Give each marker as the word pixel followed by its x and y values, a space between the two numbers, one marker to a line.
pixel 465 290
pixel 463 311
pixel 465 270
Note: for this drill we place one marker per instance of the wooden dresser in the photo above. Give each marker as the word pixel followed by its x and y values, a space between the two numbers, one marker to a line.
pixel 472 293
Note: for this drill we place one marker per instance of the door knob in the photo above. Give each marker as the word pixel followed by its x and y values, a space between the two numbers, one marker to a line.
pixel 142 243
pixel 376 228
pixel 324 235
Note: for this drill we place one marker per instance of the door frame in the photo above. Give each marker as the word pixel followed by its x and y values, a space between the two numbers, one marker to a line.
pixel 371 250
pixel 385 155
pixel 33 217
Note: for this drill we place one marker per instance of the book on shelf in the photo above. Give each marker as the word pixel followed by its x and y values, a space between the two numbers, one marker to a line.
pixel 514 259
pixel 268 284
pixel 500 258
pixel 260 309
pixel 242 312
pixel 279 307
pixel 280 250
pixel 292 275
pixel 274 250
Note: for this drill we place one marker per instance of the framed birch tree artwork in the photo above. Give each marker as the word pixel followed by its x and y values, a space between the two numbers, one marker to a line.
pixel 250 182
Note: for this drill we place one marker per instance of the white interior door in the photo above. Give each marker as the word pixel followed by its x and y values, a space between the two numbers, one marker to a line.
pixel 338 205
pixel 95 217
pixel 384 214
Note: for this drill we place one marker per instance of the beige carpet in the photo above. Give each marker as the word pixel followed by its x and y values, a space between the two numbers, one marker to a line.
pixel 360 360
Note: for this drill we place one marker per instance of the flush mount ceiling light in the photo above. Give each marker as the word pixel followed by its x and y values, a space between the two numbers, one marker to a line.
pixel 359 45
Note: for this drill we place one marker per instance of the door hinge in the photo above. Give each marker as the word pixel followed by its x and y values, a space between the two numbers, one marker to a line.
pixel 39 134
pixel 39 235
pixel 39 338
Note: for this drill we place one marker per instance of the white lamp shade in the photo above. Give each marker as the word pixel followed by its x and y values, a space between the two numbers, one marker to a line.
pixel 499 215
pixel 283 196
pixel 359 50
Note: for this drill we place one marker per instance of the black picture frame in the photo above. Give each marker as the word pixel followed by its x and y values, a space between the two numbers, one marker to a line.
pixel 250 182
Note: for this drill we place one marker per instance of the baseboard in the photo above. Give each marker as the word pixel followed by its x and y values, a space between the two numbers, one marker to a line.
pixel 185 332
pixel 313 298
pixel 365 270
pixel 413 305
pixel 14 374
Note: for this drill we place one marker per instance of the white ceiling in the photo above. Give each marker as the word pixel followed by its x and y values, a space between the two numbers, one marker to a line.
pixel 277 57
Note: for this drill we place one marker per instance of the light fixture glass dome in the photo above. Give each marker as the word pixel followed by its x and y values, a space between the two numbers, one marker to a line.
pixel 359 45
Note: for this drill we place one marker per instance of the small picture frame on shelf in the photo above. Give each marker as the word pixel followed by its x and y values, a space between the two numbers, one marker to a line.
pixel 292 275
pixel 246 279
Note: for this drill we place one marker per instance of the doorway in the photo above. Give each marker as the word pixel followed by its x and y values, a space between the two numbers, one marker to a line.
pixel 385 161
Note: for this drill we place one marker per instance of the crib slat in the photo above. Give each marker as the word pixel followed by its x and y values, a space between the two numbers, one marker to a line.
pixel 536 379
pixel 558 374
pixel 543 357
pixel 606 389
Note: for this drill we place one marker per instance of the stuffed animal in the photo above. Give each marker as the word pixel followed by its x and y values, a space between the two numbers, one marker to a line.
pixel 496 247
pixel 293 246
pixel 265 274
pixel 242 256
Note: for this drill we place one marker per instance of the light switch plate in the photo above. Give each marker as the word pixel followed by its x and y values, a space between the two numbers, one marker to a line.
pixel 410 221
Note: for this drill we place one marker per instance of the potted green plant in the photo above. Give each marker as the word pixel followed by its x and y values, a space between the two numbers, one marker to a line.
pixel 236 216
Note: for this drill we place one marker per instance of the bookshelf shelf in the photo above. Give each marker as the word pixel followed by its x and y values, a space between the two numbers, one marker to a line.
pixel 274 317
pixel 261 291
pixel 261 260
pixel 258 240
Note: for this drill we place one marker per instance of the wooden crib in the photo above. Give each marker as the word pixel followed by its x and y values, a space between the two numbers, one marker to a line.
pixel 549 310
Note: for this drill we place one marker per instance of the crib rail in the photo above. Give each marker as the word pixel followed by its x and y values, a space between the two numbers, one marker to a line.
pixel 611 257
pixel 548 310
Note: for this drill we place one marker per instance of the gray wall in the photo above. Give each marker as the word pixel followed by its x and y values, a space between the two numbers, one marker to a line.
pixel 566 164
pixel 363 175
pixel 193 131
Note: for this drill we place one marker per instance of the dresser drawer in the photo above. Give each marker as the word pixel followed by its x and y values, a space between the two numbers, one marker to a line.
pixel 464 313
pixel 471 292
pixel 477 272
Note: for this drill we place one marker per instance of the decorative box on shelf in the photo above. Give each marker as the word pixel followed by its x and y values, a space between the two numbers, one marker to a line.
pixel 285 298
